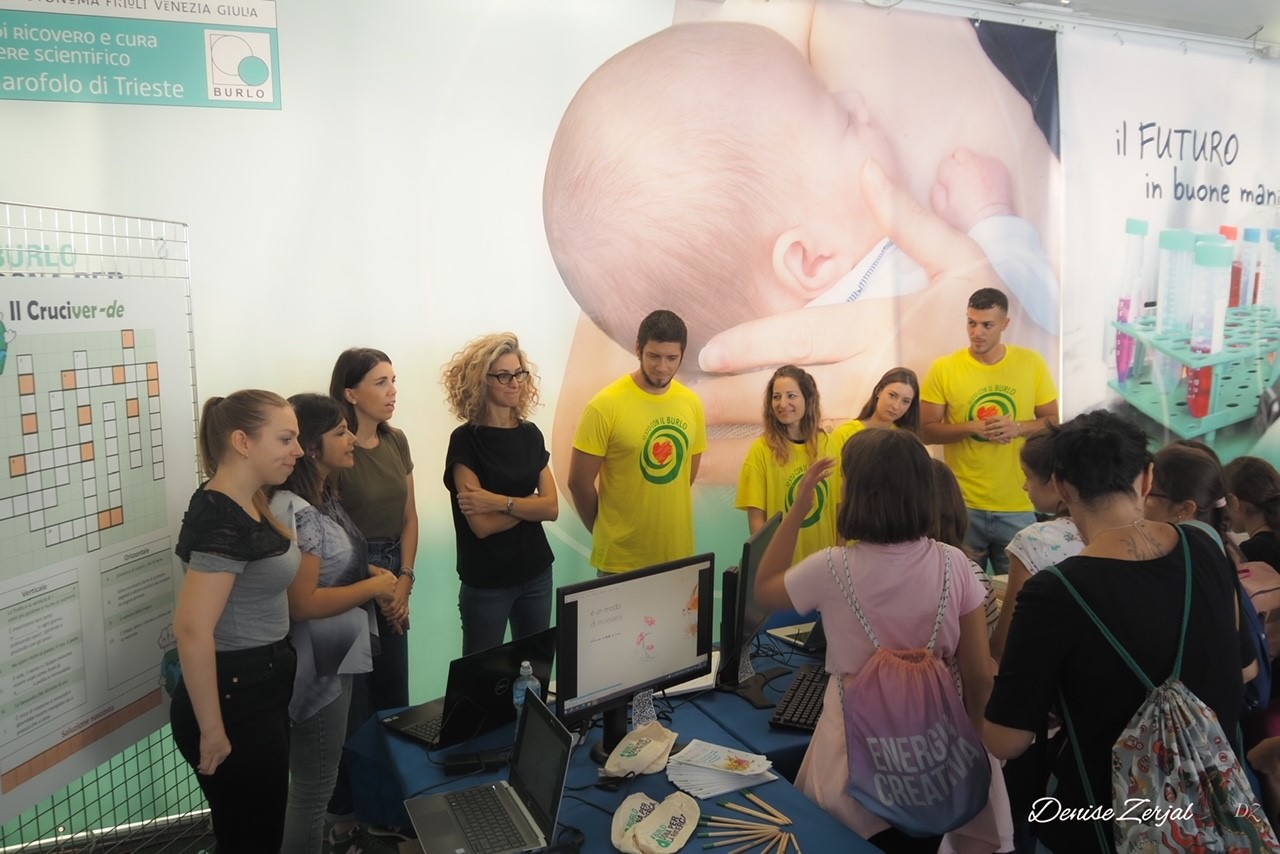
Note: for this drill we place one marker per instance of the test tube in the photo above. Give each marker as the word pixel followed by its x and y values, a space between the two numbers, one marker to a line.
pixel 1269 271
pixel 1210 292
pixel 1173 298
pixel 1250 255
pixel 1129 304
pixel 1232 234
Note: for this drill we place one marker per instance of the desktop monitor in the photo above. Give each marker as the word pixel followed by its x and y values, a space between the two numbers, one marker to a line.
pixel 647 629
pixel 742 617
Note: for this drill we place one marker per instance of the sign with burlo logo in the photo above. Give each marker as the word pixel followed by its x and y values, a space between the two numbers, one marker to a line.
pixel 820 497
pixel 666 444
pixel 990 403
pixel 161 52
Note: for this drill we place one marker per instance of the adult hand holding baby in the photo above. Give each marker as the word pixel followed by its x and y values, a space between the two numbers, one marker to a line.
pixel 847 345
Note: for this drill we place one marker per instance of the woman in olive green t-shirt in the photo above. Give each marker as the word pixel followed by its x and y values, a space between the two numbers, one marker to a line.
pixel 377 494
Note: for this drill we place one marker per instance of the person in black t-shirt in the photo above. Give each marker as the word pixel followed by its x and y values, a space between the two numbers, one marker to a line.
pixel 1253 497
pixel 1131 574
pixel 502 490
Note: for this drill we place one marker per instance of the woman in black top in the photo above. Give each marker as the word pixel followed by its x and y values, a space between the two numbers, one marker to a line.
pixel 1131 574
pixel 230 712
pixel 500 483
pixel 1253 496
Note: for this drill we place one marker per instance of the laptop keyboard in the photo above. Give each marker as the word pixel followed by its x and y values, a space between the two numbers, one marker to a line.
pixel 801 705
pixel 428 731
pixel 484 820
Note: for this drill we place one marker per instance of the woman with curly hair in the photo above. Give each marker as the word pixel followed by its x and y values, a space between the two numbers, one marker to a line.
pixel 792 441
pixel 501 490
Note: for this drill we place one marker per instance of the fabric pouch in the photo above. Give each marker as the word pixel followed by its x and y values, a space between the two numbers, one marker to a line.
pixel 668 827
pixel 643 747
pixel 635 808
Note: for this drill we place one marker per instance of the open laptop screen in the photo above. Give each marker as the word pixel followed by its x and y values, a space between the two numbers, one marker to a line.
pixel 540 763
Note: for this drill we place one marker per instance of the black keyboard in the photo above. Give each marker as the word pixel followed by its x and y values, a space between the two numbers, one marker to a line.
pixel 428 731
pixel 484 820
pixel 801 706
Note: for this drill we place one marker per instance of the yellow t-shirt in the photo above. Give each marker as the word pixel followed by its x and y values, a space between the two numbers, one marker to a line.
pixel 770 487
pixel 844 433
pixel 647 441
pixel 989 474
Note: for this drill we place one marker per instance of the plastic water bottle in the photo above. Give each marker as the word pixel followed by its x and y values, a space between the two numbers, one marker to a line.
pixel 526 681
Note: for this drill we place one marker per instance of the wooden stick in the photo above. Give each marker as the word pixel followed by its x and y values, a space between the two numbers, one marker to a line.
pixel 750 812
pixel 775 841
pixel 759 801
pixel 724 821
pixel 782 847
pixel 746 847
pixel 795 843
pixel 755 839
pixel 737 831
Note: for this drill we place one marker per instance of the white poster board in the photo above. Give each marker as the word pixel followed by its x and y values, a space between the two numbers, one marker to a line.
pixel 96 465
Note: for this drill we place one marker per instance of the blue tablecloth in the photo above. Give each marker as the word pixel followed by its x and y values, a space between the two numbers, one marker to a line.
pixel 387 767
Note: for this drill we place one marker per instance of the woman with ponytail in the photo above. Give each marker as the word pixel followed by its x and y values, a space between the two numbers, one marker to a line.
pixel 230 711
pixel 1253 497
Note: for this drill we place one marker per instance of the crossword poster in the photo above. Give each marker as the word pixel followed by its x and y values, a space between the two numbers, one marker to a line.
pixel 96 463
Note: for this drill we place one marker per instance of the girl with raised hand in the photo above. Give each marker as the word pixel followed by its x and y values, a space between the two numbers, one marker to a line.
pixel 897 573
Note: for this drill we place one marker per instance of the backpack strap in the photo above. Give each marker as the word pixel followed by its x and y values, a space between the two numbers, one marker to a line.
pixel 1115 644
pixel 846 587
pixel 1075 748
pixel 1208 529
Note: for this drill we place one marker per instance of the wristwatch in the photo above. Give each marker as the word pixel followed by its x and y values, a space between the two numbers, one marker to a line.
pixel 511 505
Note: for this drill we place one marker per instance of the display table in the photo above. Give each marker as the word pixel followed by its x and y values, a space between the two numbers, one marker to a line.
pixel 749 725
pixel 387 767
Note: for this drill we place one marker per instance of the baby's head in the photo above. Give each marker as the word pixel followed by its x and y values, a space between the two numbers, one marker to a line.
pixel 706 169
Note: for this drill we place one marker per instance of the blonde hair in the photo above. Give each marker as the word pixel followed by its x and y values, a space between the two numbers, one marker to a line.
pixel 464 377
pixel 247 410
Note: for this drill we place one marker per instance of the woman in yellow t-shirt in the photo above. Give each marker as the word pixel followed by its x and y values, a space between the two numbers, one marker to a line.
pixel 894 404
pixel 777 460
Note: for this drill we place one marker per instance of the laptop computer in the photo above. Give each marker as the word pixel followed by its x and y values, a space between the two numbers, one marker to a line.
pixel 477 697
pixel 809 637
pixel 458 822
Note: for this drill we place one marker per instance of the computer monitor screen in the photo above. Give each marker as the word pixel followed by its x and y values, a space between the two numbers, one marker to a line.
pixel 743 616
pixel 646 629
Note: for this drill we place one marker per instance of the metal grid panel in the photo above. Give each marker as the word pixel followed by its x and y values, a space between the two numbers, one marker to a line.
pixel 146 798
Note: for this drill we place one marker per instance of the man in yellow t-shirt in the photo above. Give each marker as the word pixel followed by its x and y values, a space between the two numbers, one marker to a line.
pixel 980 403
pixel 635 456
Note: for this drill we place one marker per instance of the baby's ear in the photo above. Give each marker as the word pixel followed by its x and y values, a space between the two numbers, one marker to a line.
pixel 803 267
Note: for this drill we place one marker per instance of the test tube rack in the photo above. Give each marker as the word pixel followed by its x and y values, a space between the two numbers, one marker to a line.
pixel 1243 369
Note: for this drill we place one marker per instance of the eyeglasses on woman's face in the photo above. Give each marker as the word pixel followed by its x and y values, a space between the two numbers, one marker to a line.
pixel 506 377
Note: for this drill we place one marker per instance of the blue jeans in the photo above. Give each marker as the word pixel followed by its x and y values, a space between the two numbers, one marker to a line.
pixel 990 532
pixel 248 791
pixel 315 746
pixel 485 612
pixel 386 687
